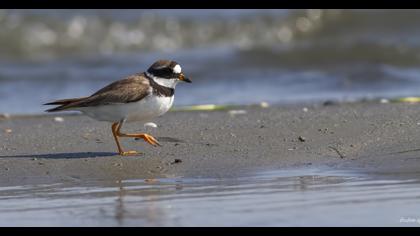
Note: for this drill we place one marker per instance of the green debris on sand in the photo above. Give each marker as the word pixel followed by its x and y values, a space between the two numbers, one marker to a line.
pixel 406 99
pixel 214 107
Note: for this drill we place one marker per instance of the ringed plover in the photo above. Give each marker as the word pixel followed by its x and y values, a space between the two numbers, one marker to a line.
pixel 138 97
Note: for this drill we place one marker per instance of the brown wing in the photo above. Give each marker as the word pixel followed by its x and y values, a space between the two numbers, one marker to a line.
pixel 130 89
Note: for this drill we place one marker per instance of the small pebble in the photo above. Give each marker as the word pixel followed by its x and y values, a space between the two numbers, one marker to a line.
pixel 150 124
pixel 34 159
pixel 176 161
pixel 384 100
pixel 302 139
pixel 305 109
pixel 58 119
pixel 264 104
pixel 328 103
pixel 236 112
pixel 8 131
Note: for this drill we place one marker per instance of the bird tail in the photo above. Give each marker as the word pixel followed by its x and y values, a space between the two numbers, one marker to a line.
pixel 63 104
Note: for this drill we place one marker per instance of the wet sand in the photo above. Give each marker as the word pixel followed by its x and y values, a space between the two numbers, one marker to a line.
pixel 368 137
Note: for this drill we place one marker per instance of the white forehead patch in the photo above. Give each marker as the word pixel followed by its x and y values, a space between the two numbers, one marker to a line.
pixel 177 69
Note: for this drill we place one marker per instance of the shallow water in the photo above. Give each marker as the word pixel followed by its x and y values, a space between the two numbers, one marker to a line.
pixel 301 197
pixel 233 56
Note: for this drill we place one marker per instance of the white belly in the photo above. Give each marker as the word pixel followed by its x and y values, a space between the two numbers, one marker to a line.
pixel 143 110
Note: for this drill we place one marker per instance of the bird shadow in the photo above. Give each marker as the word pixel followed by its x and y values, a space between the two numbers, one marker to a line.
pixel 64 155
pixel 81 155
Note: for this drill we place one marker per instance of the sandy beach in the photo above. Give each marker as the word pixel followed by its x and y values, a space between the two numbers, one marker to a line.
pixel 369 137
pixel 294 117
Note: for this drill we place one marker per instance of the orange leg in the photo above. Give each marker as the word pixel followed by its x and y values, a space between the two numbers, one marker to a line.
pixel 116 133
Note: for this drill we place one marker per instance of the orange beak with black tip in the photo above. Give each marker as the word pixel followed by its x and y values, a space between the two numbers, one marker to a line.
pixel 183 78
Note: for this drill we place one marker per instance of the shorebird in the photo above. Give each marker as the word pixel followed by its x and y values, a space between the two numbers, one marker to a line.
pixel 139 97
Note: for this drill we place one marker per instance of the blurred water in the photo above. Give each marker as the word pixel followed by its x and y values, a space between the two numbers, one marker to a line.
pixel 234 56
pixel 308 197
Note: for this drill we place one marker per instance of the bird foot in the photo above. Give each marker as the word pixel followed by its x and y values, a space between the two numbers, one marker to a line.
pixel 151 140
